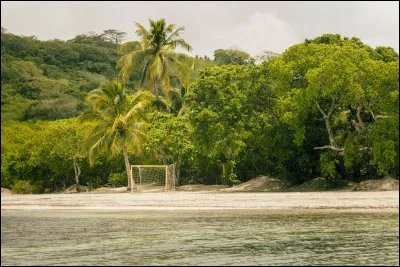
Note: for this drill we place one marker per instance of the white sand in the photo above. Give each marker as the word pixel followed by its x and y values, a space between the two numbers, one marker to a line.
pixel 343 201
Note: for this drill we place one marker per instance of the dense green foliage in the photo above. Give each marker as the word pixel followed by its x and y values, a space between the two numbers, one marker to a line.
pixel 353 90
pixel 43 153
pixel 232 56
pixel 328 107
pixel 48 80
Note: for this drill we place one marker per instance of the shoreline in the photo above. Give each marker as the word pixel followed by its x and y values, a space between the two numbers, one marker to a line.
pixel 379 201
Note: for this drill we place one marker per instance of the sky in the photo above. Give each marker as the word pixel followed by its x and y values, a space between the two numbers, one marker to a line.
pixel 251 26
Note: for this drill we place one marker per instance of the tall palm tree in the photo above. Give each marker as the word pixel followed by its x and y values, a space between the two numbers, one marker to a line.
pixel 119 122
pixel 156 59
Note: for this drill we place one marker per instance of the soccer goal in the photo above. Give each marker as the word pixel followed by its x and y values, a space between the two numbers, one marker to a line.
pixel 153 178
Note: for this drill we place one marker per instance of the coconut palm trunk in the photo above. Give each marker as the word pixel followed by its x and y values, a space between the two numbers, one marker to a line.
pixel 77 171
pixel 127 166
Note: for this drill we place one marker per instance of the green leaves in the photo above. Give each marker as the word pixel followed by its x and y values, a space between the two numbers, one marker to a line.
pixel 384 147
pixel 328 106
pixel 219 113
pixel 343 83
pixel 156 59
pixel 119 119
pixel 41 152
pixel 232 56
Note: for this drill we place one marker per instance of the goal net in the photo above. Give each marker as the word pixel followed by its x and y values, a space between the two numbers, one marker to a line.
pixel 153 178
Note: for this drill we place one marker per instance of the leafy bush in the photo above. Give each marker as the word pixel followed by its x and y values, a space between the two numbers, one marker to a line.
pixel 23 187
pixel 117 179
pixel 328 166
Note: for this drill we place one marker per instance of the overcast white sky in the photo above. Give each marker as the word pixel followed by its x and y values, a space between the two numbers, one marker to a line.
pixel 251 26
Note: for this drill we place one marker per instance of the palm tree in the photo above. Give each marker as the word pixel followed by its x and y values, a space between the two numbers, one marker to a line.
pixel 119 122
pixel 156 58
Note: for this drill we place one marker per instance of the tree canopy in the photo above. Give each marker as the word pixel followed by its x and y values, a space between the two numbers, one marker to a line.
pixel 326 107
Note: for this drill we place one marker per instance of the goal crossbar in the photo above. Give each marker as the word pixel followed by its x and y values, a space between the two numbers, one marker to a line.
pixel 167 180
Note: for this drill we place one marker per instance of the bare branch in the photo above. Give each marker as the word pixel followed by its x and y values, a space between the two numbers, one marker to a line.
pixel 356 126
pixel 330 147
pixel 333 106
pixel 379 116
pixel 320 109
pixel 340 150
pixel 327 121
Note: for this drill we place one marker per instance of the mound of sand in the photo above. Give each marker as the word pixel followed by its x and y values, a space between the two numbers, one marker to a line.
pixel 260 183
pixel 389 184
pixel 316 184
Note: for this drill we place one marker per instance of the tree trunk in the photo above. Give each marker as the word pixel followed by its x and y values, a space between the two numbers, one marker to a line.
pixel 177 166
pixel 127 166
pixel 330 133
pixel 359 109
pixel 77 171
pixel 327 118
pixel 359 126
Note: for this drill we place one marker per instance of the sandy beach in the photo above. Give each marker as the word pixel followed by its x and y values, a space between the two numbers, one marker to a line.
pixel 186 201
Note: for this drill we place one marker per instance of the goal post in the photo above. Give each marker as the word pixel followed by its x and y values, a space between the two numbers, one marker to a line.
pixel 153 177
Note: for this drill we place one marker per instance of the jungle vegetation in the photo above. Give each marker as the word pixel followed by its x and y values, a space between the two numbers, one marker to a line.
pixel 80 111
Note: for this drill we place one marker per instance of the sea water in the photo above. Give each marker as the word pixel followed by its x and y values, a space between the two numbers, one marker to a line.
pixel 84 237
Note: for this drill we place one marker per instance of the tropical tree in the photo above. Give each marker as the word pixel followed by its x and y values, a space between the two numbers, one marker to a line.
pixel 349 87
pixel 232 56
pixel 120 122
pixel 156 59
pixel 114 36
pixel 217 101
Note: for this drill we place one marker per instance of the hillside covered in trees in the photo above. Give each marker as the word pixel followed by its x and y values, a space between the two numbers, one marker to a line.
pixel 80 111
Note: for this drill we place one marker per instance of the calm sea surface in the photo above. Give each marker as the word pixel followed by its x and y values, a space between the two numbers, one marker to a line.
pixel 81 237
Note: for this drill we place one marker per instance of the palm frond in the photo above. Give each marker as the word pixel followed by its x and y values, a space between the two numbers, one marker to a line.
pixel 136 136
pixel 156 66
pixel 164 77
pixel 141 31
pixel 170 28
pixel 174 35
pixel 181 71
pixel 176 94
pixel 99 130
pixel 141 96
pixel 131 61
pixel 184 109
pixel 186 60
pixel 128 47
pixel 182 43
pixel 145 75
pixel 99 145
pixel 137 104
pixel 113 144
pixel 161 103
pixel 89 115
